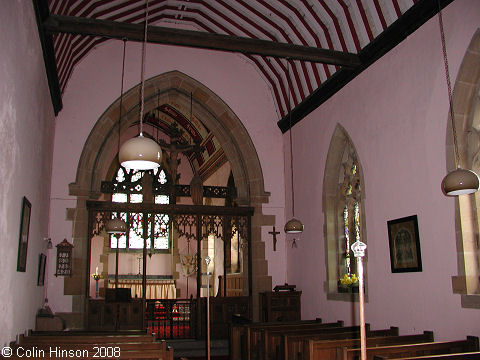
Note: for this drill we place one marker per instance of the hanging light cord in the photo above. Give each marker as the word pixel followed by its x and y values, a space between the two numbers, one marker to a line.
pixel 291 146
pixel 158 113
pixel 121 95
pixel 142 91
pixel 191 115
pixel 449 85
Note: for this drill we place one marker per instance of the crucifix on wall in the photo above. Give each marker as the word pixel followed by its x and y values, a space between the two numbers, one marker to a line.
pixel 274 234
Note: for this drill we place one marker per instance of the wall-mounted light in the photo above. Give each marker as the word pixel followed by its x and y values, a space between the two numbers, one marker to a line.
pixel 48 242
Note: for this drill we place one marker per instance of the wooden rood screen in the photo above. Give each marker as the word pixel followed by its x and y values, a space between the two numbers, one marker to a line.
pixel 203 230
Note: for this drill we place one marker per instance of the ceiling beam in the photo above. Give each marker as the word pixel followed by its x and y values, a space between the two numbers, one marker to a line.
pixel 42 13
pixel 410 21
pixel 197 39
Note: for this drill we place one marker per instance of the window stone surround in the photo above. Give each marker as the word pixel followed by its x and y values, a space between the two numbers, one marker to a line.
pixel 338 142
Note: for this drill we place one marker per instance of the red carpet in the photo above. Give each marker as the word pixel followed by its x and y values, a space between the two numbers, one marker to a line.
pixel 167 332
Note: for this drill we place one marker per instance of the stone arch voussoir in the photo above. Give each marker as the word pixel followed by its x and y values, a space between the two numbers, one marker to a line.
pixel 466 106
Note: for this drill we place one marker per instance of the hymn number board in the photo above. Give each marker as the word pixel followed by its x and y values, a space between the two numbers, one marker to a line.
pixel 64 259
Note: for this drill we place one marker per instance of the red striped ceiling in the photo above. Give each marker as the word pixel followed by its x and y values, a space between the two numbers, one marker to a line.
pixel 343 25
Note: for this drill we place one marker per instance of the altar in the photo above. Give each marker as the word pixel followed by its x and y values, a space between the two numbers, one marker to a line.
pixel 158 286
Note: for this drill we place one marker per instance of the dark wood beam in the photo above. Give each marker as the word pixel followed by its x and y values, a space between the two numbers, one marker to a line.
pixel 170 208
pixel 415 17
pixel 197 39
pixel 42 13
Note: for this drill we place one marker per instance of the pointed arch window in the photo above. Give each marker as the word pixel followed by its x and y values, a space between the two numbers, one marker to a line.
pixel 343 206
pixel 128 185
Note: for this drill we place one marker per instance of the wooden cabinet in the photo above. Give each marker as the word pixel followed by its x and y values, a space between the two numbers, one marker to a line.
pixel 280 306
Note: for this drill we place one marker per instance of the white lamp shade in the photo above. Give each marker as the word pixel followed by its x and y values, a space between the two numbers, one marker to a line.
pixel 116 226
pixel 140 153
pixel 460 182
pixel 293 226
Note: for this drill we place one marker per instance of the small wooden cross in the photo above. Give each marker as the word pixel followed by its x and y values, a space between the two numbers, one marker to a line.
pixel 274 234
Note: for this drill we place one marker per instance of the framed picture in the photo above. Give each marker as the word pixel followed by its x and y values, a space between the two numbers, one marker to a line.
pixel 23 238
pixel 41 269
pixel 404 244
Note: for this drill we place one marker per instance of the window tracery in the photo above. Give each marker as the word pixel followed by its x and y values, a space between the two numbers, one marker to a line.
pixel 130 186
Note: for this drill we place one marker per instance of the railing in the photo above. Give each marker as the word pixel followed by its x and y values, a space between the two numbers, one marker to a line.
pixel 172 318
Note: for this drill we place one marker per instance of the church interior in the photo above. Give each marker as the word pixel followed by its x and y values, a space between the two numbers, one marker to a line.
pixel 299 151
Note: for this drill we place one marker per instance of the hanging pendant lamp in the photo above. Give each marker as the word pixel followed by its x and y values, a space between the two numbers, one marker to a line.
pixel 293 226
pixel 141 153
pixel 117 225
pixel 459 181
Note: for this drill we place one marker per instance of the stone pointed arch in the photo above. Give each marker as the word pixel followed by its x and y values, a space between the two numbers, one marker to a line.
pixel 101 146
pixel 339 142
pixel 466 106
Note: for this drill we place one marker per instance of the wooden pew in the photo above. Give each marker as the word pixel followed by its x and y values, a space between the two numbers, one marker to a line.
pixel 87 332
pixel 84 354
pixel 266 342
pixel 87 338
pixel 412 350
pixel 276 343
pixel 459 356
pixel 274 348
pixel 299 347
pixel 269 341
pixel 91 346
pixel 263 339
pixel 113 351
pixel 239 337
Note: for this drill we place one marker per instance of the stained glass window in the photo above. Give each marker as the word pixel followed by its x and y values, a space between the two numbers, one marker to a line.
pixel 156 230
pixel 350 229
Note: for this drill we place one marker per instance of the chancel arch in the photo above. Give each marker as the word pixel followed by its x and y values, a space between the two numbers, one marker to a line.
pixel 100 149
pixel 343 208
pixel 466 106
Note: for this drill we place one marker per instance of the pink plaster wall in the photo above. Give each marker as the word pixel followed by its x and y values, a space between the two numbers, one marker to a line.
pixel 95 84
pixel 26 144
pixel 396 114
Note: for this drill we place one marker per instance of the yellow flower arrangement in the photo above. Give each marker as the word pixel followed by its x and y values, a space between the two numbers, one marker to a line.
pixel 349 280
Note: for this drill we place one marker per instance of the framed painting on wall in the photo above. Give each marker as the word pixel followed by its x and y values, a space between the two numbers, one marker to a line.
pixel 404 242
pixel 23 238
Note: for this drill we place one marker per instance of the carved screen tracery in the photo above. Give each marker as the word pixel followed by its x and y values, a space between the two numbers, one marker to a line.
pixel 220 232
